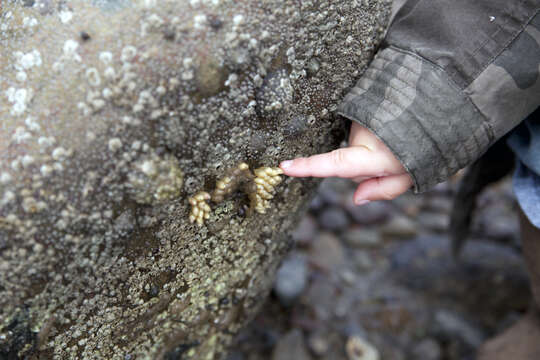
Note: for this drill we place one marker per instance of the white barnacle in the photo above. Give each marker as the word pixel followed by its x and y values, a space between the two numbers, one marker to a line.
pixel 128 53
pixel 199 21
pixel 92 75
pixel 5 178
pixel 114 144
pixel 59 153
pixel 70 50
pixel 200 210
pixel 109 73
pixel 105 57
pixel 21 135
pixel 46 170
pixel 65 16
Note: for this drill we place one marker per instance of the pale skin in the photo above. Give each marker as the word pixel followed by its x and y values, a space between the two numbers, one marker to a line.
pixel 366 161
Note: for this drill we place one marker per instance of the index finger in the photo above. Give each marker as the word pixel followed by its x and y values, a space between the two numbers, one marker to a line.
pixel 347 162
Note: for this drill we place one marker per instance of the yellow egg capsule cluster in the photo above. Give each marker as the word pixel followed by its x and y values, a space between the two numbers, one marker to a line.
pixel 260 189
pixel 266 179
pixel 229 183
pixel 200 210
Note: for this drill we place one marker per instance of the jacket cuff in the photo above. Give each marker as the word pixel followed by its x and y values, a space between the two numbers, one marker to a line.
pixel 426 120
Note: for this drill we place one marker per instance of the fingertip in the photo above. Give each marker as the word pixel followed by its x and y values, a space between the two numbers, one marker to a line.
pixel 285 165
pixel 360 202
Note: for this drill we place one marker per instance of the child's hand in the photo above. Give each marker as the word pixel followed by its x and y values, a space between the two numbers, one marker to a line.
pixel 367 161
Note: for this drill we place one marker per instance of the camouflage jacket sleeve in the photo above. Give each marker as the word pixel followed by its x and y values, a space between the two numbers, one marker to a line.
pixel 452 78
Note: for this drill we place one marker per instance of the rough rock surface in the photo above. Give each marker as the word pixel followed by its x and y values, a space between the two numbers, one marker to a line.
pixel 112 114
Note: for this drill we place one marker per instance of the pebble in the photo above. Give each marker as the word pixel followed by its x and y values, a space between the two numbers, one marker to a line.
pixel 399 227
pixel 318 343
pixel 359 349
pixel 427 349
pixel 453 326
pixel 334 219
pixel 291 279
pixel 362 237
pixel 305 231
pixel 370 214
pixel 291 347
pixel 327 251
pixel 333 191
pixel 434 221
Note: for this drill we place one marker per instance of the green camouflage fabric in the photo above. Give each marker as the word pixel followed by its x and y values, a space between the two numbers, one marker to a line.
pixel 451 79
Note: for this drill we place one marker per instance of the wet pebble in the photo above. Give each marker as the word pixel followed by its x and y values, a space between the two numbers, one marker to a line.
pixel 452 326
pixel 434 221
pixel 399 227
pixel 318 343
pixel 327 251
pixel 291 279
pixel 362 237
pixel 370 214
pixel 305 231
pixel 334 219
pixel 291 347
pixel 334 191
pixel 427 349
pixel 359 349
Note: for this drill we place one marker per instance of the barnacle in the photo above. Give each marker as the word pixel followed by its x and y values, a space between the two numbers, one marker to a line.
pixel 200 210
pixel 260 188
pixel 230 182
pixel 265 181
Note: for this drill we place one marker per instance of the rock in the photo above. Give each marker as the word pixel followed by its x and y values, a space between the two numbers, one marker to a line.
pixel 489 279
pixel 327 252
pixel 373 213
pixel 318 343
pixel 359 349
pixel 113 114
pixel 452 326
pixel 305 231
pixel 427 349
pixel 333 219
pixel 334 191
pixel 438 204
pixel 362 260
pixel 291 279
pixel 399 227
pixel 362 237
pixel 434 221
pixel 291 347
pixel 317 203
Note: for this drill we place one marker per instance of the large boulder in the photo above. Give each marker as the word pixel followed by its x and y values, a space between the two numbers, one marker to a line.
pixel 112 115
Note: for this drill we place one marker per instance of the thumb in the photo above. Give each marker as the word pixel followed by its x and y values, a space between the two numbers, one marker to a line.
pixel 382 188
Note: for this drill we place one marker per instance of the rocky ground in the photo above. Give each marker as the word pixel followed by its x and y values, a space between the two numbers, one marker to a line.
pixel 379 281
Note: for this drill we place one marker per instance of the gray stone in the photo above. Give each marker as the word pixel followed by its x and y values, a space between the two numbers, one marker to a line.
pixel 305 231
pixel 451 325
pixel 333 219
pixel 434 221
pixel 327 251
pixel 370 214
pixel 291 347
pixel 362 237
pixel 427 349
pixel 399 227
pixel 291 279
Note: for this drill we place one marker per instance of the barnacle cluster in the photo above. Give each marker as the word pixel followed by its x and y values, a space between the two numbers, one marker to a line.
pixel 259 186
pixel 200 210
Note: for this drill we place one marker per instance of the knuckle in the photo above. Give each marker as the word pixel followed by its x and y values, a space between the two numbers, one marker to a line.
pixel 384 192
pixel 337 156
